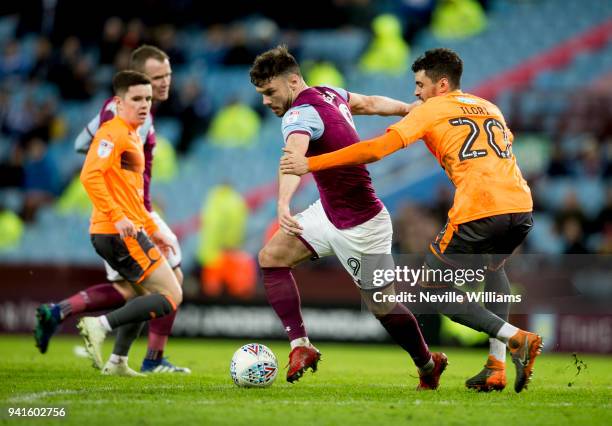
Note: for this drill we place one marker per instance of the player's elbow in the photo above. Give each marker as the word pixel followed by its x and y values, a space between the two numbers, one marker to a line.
pixel 366 107
pixel 84 177
pixel 372 106
pixel 82 142
pixel 371 154
pixel 375 156
pixel 87 179
pixel 89 176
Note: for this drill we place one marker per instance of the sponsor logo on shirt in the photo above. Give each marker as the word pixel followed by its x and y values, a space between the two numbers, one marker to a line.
pixel 467 100
pixel 105 148
pixel 293 117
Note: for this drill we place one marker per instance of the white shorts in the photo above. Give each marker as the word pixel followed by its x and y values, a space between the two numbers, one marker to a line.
pixel 174 259
pixel 349 245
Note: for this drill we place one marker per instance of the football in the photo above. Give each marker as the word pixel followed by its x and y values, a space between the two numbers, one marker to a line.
pixel 253 365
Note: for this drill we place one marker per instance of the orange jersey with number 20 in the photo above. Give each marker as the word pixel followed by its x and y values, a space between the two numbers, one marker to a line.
pixel 469 138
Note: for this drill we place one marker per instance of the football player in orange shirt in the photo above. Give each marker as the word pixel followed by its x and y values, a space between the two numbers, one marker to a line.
pixel 155 63
pixel 122 231
pixel 491 213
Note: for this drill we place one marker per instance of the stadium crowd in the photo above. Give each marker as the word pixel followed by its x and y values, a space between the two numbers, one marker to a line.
pixel 50 72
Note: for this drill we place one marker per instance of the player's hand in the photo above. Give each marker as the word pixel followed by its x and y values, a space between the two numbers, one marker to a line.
pixel 293 163
pixel 287 223
pixel 126 228
pixel 163 243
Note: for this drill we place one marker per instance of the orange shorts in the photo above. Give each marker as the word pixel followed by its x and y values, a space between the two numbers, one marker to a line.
pixel 134 258
pixel 488 241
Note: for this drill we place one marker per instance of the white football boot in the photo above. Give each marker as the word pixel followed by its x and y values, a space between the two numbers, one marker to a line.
pixel 94 334
pixel 120 368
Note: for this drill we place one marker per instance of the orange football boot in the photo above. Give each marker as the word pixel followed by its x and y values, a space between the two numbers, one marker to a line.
pixel 524 348
pixel 492 377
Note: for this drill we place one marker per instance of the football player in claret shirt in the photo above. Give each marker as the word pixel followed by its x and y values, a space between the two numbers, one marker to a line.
pixel 349 221
pixel 155 63
pixel 491 213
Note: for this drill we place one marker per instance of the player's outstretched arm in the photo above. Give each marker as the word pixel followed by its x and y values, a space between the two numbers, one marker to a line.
pixel 287 185
pixel 379 105
pixel 364 152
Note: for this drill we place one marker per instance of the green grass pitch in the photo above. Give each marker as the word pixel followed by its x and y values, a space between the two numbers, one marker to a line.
pixel 355 384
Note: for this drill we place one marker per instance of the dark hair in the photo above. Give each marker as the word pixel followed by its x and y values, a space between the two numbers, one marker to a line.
pixel 439 63
pixel 139 56
pixel 272 63
pixel 123 80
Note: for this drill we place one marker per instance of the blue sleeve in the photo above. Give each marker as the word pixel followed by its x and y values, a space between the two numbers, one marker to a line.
pixel 342 92
pixel 84 139
pixel 146 129
pixel 303 119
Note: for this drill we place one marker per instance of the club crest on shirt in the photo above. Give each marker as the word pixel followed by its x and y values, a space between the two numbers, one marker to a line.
pixel 105 148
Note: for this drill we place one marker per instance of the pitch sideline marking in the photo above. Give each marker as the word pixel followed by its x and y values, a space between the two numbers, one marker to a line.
pixel 29 397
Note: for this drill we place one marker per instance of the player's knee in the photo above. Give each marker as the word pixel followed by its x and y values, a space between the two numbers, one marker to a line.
pixel 125 289
pixel 170 305
pixel 496 268
pixel 177 296
pixel 381 310
pixel 178 273
pixel 385 309
pixel 377 302
pixel 177 293
pixel 384 313
pixel 267 258
pixel 263 257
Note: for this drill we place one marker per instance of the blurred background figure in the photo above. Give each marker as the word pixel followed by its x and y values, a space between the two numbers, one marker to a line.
pixel 224 264
pixel 40 180
pixel 236 124
pixel 193 107
pixel 388 53
pixel 11 229
pixel 110 44
pixel 456 19
pixel 164 162
pixel 322 74
pixel 74 199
